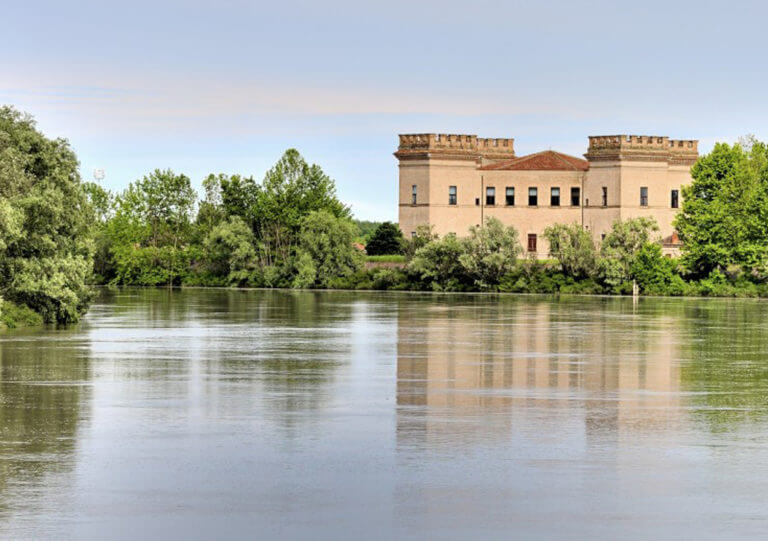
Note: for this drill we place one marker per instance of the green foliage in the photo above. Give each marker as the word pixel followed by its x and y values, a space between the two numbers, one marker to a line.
pixel 436 265
pixel 489 253
pixel 423 235
pixel 387 239
pixel 149 234
pixel 572 246
pixel 327 242
pixel 385 258
pixel 306 272
pixel 476 262
pixel 656 274
pixel 291 190
pixel 620 248
pixel 13 316
pixel 724 217
pixel 229 250
pixel 365 229
pixel 391 279
pixel 46 246
pixel 103 205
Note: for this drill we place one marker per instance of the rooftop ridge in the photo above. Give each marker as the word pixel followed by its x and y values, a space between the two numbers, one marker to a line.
pixel 578 164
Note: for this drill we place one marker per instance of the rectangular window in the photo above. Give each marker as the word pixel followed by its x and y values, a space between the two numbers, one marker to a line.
pixel 575 197
pixel 554 197
pixel 532 242
pixel 451 195
pixel 675 199
pixel 510 196
pixel 490 196
pixel 533 197
pixel 643 196
pixel 605 196
pixel 414 193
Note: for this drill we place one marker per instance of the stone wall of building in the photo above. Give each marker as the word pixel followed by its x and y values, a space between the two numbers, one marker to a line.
pixel 623 177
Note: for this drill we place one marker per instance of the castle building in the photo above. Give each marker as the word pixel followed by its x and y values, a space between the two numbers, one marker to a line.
pixel 453 182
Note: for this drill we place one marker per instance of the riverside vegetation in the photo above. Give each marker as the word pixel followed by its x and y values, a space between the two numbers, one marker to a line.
pixel 59 234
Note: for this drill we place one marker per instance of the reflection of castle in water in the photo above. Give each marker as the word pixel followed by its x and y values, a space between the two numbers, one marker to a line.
pixel 471 367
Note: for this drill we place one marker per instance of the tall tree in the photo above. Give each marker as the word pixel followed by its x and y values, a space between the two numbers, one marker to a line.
pixel 724 219
pixel 573 248
pixel 621 246
pixel 291 190
pixel 46 249
pixel 490 252
pixel 326 247
pixel 151 229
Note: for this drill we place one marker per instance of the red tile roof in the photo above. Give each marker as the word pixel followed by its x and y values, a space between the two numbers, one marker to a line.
pixel 548 160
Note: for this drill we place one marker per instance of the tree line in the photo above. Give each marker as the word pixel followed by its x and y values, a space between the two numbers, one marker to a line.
pixel 59 235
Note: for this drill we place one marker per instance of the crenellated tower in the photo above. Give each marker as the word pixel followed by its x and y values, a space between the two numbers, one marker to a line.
pixel 636 175
pixel 432 165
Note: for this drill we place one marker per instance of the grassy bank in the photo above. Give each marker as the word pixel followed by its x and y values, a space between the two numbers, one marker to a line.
pixel 385 259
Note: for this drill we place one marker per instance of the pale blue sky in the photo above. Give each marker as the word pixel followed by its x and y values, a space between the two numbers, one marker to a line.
pixel 227 86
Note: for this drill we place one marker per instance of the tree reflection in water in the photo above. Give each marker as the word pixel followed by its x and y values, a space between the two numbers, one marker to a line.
pixel 44 399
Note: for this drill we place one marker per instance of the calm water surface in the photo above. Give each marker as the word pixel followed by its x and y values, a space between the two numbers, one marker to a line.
pixel 230 414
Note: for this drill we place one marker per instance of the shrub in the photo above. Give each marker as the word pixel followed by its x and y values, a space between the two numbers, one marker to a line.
pixel 489 253
pixel 18 315
pixel 572 246
pixel 436 265
pixel 620 248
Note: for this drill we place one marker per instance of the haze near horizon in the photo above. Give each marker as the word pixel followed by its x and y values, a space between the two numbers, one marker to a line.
pixel 204 87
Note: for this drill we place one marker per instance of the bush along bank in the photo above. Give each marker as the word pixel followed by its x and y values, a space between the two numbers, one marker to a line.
pixel 489 260
pixel 13 316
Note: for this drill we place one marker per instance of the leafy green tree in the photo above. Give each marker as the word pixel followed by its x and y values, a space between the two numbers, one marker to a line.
pixel 165 202
pixel 229 248
pixel 151 231
pixel 573 248
pixel 490 252
pixel 387 239
pixel 437 264
pixel 621 246
pixel 724 216
pixel 365 229
pixel 291 190
pixel 328 241
pixel 46 247
pixel 306 271
pixel 656 274
pixel 102 202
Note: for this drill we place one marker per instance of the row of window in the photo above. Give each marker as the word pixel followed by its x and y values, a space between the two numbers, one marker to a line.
pixel 533 196
pixel 554 196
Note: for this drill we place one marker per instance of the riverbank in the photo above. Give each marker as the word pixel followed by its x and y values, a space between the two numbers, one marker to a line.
pixel 548 289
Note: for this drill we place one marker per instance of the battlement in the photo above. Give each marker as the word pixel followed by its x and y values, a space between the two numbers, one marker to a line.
pixel 454 145
pixel 642 148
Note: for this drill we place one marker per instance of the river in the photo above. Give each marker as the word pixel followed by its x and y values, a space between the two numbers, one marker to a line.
pixel 202 414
